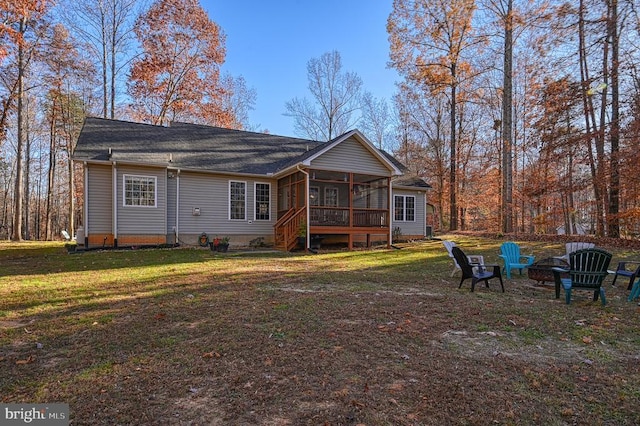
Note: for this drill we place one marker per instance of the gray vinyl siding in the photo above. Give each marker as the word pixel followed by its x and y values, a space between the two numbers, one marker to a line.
pixel 351 155
pixel 210 193
pixel 417 227
pixel 172 185
pixel 142 220
pixel 100 199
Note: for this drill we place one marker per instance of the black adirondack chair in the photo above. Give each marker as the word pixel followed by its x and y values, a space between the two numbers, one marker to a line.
pixel 587 270
pixel 481 272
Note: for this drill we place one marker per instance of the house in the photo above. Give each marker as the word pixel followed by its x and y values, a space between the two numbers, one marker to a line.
pixel 579 230
pixel 187 184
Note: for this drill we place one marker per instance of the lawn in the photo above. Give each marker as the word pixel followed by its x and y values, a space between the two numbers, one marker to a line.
pixel 377 337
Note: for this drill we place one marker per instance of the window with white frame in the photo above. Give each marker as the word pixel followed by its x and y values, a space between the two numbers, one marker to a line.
pixel 237 200
pixel 263 201
pixel 404 208
pixel 139 190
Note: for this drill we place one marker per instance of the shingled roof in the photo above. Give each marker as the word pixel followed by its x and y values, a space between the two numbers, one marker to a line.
pixel 190 147
pixel 203 148
pixel 410 182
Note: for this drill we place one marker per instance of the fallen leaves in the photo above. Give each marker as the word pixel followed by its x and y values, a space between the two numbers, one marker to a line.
pixel 396 387
pixel 28 360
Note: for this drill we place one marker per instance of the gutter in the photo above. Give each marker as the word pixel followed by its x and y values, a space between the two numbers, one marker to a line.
pixel 114 219
pixel 391 209
pixel 306 201
pixel 177 227
pixel 85 208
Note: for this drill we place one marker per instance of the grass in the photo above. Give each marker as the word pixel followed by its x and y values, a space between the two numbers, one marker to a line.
pixel 379 337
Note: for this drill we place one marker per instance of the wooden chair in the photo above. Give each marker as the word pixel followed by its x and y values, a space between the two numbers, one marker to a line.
pixel 587 270
pixel 474 271
pixel 474 259
pixel 510 253
pixel 627 269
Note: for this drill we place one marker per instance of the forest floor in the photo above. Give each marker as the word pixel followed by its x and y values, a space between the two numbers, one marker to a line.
pixel 373 337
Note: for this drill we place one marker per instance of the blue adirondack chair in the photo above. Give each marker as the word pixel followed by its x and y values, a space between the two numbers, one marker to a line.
pixel 510 253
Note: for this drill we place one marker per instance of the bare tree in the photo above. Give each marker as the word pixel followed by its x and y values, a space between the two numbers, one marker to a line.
pixel 422 122
pixel 336 97
pixel 376 119
pixel 238 99
pixel 106 27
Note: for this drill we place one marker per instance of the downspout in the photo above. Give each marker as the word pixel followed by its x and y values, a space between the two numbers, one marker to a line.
pixel 85 208
pixel 114 185
pixel 391 207
pixel 177 205
pixel 306 200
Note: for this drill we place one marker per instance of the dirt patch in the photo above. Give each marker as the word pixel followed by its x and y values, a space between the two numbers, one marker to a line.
pixel 9 324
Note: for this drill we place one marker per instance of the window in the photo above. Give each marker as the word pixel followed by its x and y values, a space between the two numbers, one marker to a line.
pixel 331 197
pixel 263 201
pixel 314 195
pixel 404 208
pixel 237 200
pixel 139 191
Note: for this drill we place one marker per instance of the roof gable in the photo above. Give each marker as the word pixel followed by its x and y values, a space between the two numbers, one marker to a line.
pixel 360 138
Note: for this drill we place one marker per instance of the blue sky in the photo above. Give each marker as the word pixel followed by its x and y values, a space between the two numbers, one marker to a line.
pixel 270 42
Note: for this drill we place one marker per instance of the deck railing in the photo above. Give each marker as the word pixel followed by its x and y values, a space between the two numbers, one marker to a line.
pixel 340 217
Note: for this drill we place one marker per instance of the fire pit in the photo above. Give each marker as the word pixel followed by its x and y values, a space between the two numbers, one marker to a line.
pixel 541 270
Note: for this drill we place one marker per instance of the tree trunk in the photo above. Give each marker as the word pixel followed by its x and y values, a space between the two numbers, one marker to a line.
pixel 600 140
pixel 70 137
pixel 52 169
pixel 614 191
pixel 113 48
pixel 507 123
pixel 27 168
pixel 19 184
pixel 593 134
pixel 105 85
pixel 453 207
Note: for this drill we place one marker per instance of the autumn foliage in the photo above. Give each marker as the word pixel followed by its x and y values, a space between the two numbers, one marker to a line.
pixel 178 75
pixel 12 12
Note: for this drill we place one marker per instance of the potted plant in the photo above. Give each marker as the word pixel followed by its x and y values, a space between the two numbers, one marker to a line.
pixel 302 235
pixel 220 244
pixel 314 244
pixel 316 240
